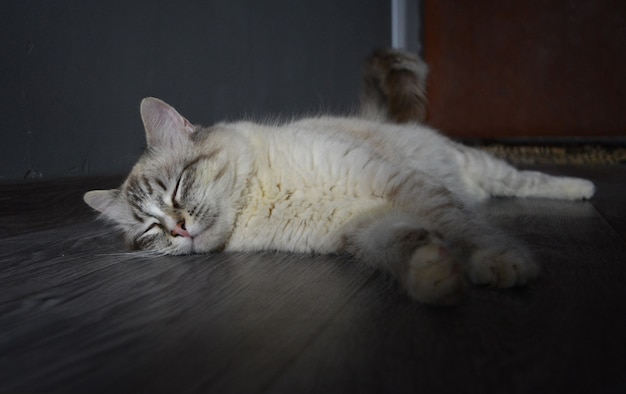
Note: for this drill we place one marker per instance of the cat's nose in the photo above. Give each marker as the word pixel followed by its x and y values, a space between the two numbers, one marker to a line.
pixel 180 230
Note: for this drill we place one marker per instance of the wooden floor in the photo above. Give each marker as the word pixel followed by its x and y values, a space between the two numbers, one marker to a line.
pixel 80 314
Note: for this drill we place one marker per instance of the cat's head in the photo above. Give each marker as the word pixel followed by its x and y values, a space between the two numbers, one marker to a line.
pixel 178 197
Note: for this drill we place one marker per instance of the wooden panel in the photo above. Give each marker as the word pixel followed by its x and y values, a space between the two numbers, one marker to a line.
pixel 527 68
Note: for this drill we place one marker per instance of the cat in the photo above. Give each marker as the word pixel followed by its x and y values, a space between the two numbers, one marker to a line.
pixel 392 193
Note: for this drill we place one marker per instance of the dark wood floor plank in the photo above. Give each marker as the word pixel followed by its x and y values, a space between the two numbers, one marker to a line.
pixel 610 200
pixel 80 314
pixel 562 334
pixel 610 197
pixel 100 320
pixel 28 207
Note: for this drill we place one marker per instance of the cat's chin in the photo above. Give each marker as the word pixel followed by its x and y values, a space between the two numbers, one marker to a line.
pixel 205 243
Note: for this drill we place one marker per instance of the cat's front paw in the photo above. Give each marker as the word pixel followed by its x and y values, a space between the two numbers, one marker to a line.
pixel 502 268
pixel 434 276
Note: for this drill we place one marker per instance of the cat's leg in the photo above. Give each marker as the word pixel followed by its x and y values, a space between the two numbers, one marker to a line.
pixel 485 175
pixel 497 260
pixel 489 256
pixel 397 243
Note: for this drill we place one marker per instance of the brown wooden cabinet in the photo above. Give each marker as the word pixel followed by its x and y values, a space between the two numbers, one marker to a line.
pixel 548 68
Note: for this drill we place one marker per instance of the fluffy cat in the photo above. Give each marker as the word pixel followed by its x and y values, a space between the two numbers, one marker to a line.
pixel 398 197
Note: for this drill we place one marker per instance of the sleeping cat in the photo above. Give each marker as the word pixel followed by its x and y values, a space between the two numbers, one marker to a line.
pixel 398 197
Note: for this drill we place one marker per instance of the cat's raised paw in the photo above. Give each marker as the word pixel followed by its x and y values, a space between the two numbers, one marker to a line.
pixel 434 276
pixel 502 268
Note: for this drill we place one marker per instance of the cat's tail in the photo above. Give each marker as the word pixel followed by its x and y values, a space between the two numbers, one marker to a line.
pixel 488 176
pixel 394 87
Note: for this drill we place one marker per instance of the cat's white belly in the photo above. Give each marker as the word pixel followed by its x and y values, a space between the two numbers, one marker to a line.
pixel 297 222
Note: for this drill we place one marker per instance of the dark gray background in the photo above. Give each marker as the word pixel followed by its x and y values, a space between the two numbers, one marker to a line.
pixel 73 72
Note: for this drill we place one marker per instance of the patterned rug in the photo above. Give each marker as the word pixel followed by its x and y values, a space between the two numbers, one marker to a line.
pixel 558 154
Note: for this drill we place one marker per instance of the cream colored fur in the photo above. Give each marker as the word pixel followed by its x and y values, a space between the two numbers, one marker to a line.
pixel 397 197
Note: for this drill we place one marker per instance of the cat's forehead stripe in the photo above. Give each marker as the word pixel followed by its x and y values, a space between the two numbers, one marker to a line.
pixel 140 196
pixel 141 186
pixel 147 185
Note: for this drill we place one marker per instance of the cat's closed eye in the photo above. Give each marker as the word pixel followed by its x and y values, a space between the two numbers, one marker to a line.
pixel 153 226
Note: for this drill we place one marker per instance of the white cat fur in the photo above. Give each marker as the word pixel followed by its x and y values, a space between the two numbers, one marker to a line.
pixel 397 197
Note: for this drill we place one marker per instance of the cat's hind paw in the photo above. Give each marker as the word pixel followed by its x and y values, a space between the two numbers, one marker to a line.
pixel 434 276
pixel 502 268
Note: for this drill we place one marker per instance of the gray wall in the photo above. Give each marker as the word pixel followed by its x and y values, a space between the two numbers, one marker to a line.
pixel 73 72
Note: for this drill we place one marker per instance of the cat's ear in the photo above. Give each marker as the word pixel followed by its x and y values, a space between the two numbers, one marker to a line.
pixel 107 202
pixel 164 126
